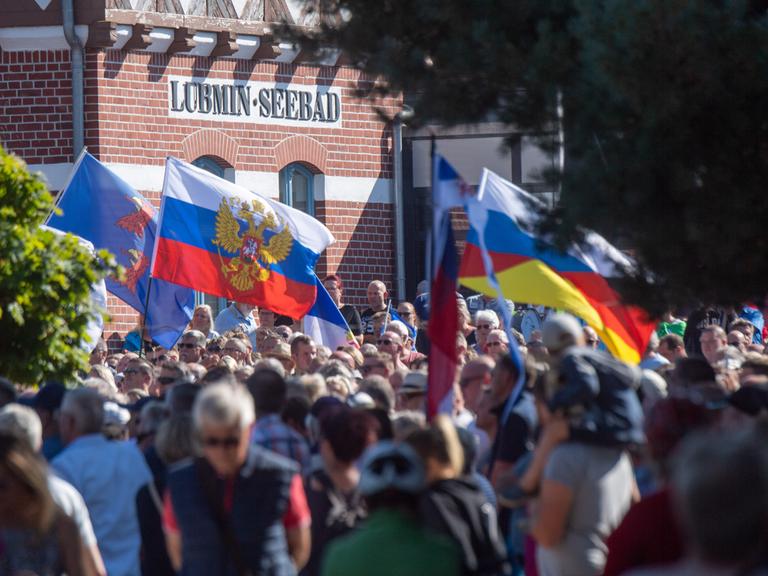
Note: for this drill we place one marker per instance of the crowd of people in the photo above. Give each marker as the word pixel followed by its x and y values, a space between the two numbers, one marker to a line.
pixel 249 449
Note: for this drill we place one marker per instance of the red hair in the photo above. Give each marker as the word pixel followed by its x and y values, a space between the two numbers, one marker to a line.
pixel 336 278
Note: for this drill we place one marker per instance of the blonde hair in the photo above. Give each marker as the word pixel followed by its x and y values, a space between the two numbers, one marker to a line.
pixel 210 317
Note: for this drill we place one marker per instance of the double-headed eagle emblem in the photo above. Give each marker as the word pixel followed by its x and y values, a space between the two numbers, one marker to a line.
pixel 254 254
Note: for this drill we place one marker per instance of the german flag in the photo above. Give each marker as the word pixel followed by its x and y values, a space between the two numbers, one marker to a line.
pixel 503 220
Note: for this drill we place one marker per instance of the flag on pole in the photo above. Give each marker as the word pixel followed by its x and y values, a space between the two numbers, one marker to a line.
pixel 502 236
pixel 220 238
pixel 444 311
pixel 100 207
pixel 324 322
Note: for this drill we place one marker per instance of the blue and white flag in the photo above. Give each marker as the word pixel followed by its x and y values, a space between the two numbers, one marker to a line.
pixel 99 206
pixel 324 322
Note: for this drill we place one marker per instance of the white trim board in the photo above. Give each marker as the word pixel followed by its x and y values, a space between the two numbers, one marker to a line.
pixel 38 38
pixel 150 178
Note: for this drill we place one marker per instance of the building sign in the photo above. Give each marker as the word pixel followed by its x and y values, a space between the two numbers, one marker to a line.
pixel 256 102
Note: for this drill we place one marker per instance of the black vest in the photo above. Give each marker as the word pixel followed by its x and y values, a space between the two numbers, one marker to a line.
pixel 261 493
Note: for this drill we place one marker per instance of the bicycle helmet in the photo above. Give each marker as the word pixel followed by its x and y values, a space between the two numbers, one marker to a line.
pixel 390 466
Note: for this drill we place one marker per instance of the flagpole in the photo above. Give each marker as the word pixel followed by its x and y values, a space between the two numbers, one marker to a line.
pixel 431 229
pixel 142 351
pixel 60 195
pixel 386 315
pixel 154 251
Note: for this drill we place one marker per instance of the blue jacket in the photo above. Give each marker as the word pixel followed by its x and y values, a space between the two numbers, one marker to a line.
pixel 261 493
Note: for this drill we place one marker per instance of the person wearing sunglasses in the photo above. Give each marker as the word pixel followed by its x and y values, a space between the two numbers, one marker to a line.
pixel 485 321
pixel 192 346
pixel 497 343
pixel 238 509
pixel 236 349
pixel 171 373
pixel 391 343
pixel 138 375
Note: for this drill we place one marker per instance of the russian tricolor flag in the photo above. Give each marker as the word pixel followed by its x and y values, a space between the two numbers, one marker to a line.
pixel 447 187
pixel 222 239
pixel 324 322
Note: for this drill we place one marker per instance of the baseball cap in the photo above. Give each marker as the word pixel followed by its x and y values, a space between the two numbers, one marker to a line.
pixel 560 331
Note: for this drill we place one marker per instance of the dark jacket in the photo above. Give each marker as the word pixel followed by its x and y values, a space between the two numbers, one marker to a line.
pixel 261 493
pixel 458 509
pixel 599 395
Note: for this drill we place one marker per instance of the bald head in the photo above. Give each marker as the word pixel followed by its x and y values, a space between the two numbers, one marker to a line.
pixel 377 295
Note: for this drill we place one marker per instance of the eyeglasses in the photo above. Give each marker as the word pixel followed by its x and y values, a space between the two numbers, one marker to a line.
pixel 385 342
pixel 188 345
pixel 165 380
pixel 484 327
pixel 228 442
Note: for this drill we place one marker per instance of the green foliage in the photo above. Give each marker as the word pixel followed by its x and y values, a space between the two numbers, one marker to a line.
pixel 45 281
pixel 664 112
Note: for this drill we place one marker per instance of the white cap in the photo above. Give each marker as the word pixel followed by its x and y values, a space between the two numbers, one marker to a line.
pixel 560 331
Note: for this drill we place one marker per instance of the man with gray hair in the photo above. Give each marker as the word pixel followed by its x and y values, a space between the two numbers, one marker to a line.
pixel 240 508
pixel 192 346
pixel 107 474
pixel 24 423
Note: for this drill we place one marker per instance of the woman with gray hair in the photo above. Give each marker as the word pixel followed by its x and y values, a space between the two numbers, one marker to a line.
pixel 485 321
pixel 239 508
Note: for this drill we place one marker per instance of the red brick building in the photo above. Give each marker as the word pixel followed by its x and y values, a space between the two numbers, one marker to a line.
pixel 207 82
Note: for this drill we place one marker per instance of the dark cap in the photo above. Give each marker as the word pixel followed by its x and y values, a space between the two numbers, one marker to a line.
pixel 50 396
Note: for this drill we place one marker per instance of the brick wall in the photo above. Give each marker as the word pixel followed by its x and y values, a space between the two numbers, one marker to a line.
pixel 127 122
pixel 127 115
pixel 364 248
pixel 35 105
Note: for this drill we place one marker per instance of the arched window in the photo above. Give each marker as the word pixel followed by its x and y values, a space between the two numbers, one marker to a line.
pixel 296 188
pixel 210 164
pixel 214 166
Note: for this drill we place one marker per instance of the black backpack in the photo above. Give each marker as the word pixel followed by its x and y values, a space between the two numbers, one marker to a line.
pixel 457 508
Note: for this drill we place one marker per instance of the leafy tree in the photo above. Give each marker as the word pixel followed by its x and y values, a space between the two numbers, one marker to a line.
pixel 663 106
pixel 45 282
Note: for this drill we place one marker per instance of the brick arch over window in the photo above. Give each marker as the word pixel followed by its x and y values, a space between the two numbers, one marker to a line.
pixel 301 149
pixel 208 142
